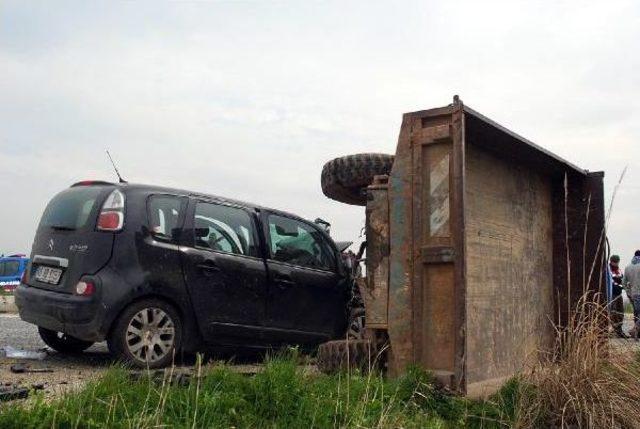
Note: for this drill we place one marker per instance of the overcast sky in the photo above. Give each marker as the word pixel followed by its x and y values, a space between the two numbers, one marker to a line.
pixel 249 99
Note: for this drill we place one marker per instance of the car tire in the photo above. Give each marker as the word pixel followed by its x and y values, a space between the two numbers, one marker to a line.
pixel 345 179
pixel 148 334
pixel 62 342
pixel 346 355
pixel 356 328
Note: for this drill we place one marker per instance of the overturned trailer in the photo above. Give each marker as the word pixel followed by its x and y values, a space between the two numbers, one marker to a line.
pixel 479 242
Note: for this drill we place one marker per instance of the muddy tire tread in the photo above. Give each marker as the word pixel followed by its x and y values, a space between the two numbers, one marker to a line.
pixel 345 178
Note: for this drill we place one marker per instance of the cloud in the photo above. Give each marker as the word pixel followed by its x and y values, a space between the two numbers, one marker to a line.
pixel 248 100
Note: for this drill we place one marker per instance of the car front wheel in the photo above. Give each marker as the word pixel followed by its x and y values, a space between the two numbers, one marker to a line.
pixel 62 342
pixel 147 334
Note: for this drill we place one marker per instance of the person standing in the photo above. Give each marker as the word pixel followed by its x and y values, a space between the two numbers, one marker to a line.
pixel 632 283
pixel 616 306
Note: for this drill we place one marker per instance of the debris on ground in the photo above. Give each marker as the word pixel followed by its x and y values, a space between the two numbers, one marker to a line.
pixel 172 377
pixel 13 353
pixel 12 393
pixel 20 368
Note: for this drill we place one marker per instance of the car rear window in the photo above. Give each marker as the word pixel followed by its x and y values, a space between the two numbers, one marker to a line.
pixel 70 209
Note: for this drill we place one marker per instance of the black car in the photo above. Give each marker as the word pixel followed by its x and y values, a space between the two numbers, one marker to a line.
pixel 155 271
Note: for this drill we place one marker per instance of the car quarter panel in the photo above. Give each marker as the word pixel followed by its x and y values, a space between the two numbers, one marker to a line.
pixel 145 264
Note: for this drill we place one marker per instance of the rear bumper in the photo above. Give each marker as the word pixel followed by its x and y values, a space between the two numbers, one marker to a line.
pixel 79 316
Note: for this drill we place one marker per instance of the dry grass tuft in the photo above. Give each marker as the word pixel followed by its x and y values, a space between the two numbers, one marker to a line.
pixel 580 383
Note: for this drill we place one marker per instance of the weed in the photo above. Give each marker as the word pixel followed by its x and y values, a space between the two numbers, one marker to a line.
pixel 579 384
pixel 283 395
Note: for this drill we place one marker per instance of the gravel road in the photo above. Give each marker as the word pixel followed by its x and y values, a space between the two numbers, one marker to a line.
pixel 69 372
pixel 16 333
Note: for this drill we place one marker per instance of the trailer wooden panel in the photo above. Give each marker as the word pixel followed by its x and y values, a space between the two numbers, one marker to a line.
pixel 509 270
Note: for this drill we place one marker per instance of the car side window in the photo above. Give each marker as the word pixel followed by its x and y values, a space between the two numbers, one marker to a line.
pixel 298 243
pixel 224 229
pixel 164 215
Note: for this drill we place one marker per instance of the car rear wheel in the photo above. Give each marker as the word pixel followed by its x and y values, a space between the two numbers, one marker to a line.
pixel 62 342
pixel 147 334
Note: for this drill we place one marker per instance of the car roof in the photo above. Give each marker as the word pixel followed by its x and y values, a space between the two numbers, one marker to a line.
pixel 13 258
pixel 150 189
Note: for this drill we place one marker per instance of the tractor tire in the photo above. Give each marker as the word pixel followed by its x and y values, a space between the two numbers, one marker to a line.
pixel 356 329
pixel 345 179
pixel 345 355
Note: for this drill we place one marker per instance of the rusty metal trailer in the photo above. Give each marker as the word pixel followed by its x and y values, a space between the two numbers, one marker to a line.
pixel 478 243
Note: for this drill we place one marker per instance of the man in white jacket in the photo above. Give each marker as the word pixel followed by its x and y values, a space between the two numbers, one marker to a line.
pixel 632 283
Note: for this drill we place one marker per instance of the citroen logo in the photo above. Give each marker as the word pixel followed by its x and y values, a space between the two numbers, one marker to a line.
pixel 51 244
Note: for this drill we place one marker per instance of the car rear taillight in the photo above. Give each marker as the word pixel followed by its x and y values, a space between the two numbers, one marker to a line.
pixel 111 217
pixel 110 221
pixel 85 288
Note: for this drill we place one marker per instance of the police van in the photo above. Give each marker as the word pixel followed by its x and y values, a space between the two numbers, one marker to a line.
pixel 11 269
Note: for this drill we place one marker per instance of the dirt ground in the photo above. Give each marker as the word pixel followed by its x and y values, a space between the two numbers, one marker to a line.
pixel 68 372
pixel 624 347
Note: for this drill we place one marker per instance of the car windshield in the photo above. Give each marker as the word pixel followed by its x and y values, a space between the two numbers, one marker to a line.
pixel 70 209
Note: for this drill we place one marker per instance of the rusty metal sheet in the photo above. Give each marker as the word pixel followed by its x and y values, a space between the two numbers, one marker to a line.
pixel 376 289
pixel 458 136
pixel 509 288
pixel 509 145
pixel 434 279
pixel 583 262
pixel 400 254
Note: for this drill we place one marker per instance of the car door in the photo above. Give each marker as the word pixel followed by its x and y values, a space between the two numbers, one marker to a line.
pixel 307 293
pixel 225 272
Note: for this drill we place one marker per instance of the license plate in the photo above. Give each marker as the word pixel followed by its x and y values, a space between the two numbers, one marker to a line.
pixel 48 275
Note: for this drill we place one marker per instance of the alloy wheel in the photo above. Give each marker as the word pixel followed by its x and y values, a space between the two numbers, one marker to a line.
pixel 150 335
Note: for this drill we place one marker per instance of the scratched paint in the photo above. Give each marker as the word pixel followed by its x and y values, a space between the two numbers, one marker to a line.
pixel 376 293
pixel 439 203
pixel 401 253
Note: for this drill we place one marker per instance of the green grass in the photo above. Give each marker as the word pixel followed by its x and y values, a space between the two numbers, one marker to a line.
pixel 282 396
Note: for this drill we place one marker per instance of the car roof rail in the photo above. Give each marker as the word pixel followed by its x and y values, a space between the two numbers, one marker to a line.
pixel 91 183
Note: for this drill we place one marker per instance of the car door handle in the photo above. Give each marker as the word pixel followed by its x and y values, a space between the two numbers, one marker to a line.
pixel 284 281
pixel 208 267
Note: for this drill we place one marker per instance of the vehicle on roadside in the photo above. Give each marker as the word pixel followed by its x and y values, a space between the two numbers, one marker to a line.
pixel 157 271
pixel 11 269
